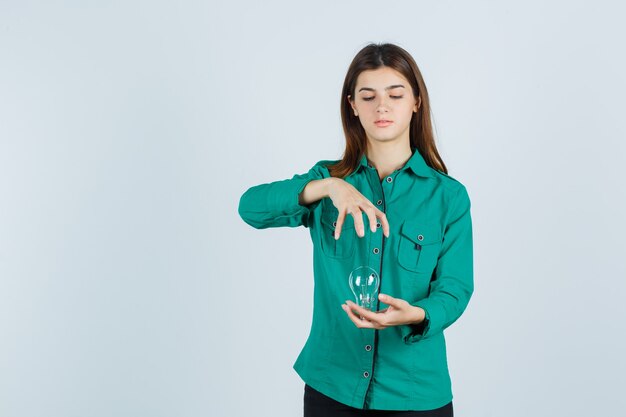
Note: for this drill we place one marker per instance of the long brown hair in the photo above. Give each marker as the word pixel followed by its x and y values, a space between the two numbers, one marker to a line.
pixel 371 57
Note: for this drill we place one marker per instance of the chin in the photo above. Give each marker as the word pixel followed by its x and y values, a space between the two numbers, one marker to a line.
pixel 385 138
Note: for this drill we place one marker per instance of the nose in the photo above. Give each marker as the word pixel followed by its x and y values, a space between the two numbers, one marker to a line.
pixel 382 105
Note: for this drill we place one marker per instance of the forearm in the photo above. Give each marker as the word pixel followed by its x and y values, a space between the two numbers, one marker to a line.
pixel 278 203
pixel 453 283
pixel 314 191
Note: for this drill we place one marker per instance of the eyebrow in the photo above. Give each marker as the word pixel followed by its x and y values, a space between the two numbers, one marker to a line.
pixel 386 88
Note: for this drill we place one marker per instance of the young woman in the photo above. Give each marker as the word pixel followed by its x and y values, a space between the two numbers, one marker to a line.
pixel 389 204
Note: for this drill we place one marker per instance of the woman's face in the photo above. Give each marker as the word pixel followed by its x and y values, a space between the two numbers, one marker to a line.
pixel 384 94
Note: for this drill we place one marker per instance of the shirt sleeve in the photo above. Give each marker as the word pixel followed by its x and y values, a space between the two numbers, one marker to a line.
pixel 453 285
pixel 276 204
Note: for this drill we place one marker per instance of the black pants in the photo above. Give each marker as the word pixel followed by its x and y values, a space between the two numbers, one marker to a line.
pixel 317 404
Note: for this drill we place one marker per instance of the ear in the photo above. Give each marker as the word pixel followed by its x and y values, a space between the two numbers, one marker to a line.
pixel 351 104
pixel 419 103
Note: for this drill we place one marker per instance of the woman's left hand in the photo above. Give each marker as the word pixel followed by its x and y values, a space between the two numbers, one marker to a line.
pixel 399 312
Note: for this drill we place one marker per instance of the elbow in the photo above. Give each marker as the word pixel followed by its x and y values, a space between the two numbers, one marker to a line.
pixel 243 209
pixel 246 210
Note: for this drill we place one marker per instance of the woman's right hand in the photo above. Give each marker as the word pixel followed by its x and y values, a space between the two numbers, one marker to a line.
pixel 348 200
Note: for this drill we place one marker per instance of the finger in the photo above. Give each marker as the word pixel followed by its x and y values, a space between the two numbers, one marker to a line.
pixel 371 215
pixel 359 322
pixel 339 223
pixel 384 222
pixel 353 310
pixel 363 312
pixel 362 322
pixel 398 303
pixel 358 222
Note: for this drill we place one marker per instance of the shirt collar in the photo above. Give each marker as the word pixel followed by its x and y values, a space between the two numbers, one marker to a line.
pixel 416 163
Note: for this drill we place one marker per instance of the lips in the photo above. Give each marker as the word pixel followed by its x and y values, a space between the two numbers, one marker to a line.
pixel 383 122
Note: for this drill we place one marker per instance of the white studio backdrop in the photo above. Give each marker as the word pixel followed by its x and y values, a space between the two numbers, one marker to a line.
pixel 129 285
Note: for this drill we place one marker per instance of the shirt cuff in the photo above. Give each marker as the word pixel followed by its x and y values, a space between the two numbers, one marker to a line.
pixel 432 323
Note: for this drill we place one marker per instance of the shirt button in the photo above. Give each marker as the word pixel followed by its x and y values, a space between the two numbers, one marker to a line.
pixel 389 179
pixel 334 224
pixel 368 347
pixel 379 202
pixel 377 224
pixel 366 374
pixel 375 250
pixel 420 237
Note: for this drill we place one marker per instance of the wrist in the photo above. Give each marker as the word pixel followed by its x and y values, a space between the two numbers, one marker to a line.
pixel 418 315
pixel 328 183
pixel 313 191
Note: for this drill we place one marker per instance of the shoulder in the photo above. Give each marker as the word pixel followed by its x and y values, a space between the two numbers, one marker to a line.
pixel 447 181
pixel 452 187
pixel 321 166
pixel 326 162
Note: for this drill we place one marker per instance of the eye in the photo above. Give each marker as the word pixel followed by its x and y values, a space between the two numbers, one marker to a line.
pixel 371 98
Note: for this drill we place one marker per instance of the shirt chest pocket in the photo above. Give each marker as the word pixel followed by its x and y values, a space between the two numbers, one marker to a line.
pixel 419 246
pixel 344 246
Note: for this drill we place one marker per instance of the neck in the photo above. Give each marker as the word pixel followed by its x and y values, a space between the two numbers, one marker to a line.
pixel 388 157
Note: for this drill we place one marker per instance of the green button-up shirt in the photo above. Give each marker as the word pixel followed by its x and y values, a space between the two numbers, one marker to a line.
pixel 427 260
